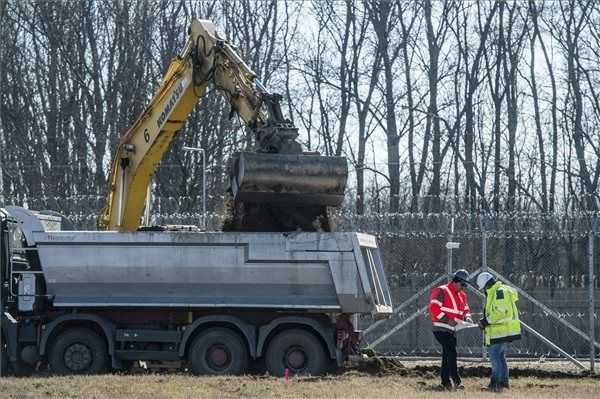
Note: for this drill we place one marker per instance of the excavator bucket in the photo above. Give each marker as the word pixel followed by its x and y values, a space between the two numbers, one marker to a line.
pixel 294 179
pixel 284 192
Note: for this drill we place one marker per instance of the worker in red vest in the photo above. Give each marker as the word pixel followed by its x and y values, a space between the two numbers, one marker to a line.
pixel 447 307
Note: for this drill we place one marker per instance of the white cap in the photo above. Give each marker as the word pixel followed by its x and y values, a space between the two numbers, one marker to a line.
pixel 483 278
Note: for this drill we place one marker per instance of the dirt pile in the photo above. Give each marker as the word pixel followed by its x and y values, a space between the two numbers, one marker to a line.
pixel 379 366
pixel 275 217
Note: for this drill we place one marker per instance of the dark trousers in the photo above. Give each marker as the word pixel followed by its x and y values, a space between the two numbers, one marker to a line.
pixel 449 367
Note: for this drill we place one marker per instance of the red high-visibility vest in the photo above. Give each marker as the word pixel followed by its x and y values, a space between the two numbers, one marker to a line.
pixel 447 303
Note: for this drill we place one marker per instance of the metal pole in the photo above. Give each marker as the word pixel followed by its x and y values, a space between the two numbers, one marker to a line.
pixel 1 309
pixel 1 314
pixel 121 195
pixel 592 309
pixel 484 267
pixel 450 237
pixel 203 154
pixel 203 189
pixel 552 345
pixel 147 210
pixel 1 181
pixel 1 169
pixel 3 247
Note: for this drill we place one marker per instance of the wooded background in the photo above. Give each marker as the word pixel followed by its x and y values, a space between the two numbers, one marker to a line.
pixel 440 106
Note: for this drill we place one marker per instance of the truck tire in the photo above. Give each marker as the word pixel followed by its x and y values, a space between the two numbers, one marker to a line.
pixel 218 351
pixel 78 351
pixel 299 351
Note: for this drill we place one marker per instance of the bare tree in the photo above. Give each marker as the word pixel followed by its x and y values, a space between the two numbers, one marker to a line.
pixel 510 64
pixel 574 16
pixel 435 40
pixel 479 105
pixel 384 16
pixel 472 69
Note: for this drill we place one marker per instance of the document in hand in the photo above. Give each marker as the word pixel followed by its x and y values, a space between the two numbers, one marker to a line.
pixel 461 325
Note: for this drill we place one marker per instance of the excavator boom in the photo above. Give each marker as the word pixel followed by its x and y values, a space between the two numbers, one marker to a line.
pixel 276 182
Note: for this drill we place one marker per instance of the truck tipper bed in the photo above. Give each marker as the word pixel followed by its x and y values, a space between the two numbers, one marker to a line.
pixel 89 301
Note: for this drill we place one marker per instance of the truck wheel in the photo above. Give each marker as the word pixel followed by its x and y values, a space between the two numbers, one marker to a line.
pixel 78 351
pixel 218 351
pixel 298 351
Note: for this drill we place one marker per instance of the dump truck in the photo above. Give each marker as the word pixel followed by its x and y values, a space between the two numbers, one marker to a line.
pixel 279 287
pixel 210 302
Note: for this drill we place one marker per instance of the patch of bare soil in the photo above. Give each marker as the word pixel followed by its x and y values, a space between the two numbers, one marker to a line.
pixel 385 366
pixel 379 366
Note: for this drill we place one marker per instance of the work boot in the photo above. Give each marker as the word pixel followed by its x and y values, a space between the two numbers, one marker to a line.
pixel 442 388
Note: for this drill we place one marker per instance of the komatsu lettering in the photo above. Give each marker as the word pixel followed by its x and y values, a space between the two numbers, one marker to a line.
pixel 170 105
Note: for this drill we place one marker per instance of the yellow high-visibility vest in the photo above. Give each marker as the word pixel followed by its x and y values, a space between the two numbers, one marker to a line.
pixel 502 314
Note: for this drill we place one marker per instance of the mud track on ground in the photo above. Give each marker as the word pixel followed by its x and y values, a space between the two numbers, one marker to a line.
pixel 385 366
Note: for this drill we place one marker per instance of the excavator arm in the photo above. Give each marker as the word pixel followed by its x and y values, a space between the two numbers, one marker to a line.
pixel 276 169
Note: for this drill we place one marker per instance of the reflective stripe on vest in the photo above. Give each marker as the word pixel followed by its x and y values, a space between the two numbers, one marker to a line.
pixel 445 288
pixel 454 311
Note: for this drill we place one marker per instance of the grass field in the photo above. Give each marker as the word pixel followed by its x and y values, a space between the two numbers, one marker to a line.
pixel 415 381
pixel 348 385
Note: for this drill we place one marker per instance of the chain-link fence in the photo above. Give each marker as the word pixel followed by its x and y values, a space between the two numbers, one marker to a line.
pixel 555 269
pixel 547 256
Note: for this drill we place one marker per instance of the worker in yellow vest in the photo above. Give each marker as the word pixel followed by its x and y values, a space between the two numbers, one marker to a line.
pixel 501 325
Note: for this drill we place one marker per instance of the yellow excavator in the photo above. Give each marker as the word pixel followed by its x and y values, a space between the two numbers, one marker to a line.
pixel 275 187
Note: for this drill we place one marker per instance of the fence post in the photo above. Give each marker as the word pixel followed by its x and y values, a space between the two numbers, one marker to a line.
pixel 4 243
pixel 484 268
pixel 449 248
pixel 592 308
pixel 1 174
